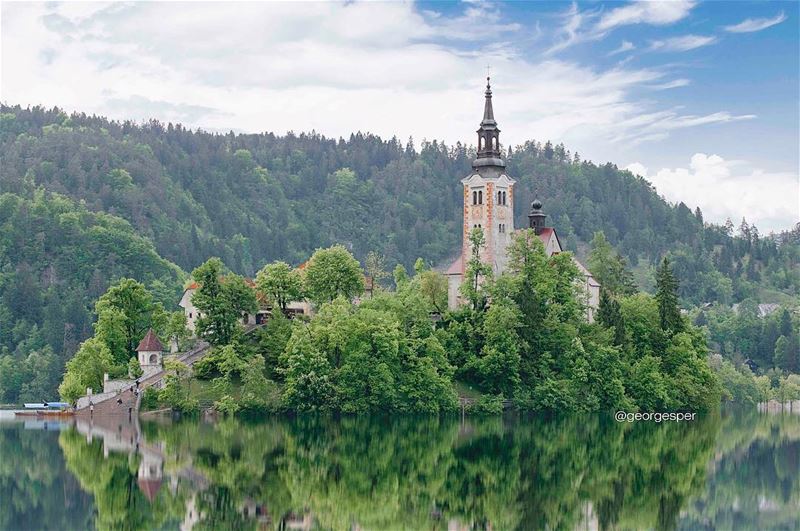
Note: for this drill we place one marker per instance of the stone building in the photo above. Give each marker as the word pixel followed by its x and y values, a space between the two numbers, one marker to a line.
pixel 150 350
pixel 489 204
pixel 261 316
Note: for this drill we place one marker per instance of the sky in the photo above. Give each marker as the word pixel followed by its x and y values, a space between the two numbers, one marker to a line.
pixel 701 99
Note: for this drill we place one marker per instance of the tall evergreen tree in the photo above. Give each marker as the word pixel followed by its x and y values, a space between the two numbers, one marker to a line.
pixel 667 296
pixel 609 315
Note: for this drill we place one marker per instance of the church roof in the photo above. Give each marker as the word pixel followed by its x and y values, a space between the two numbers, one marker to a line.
pixel 150 343
pixel 457 267
pixel 546 233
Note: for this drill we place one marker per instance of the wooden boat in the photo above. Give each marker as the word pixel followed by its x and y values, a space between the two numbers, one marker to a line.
pixel 41 413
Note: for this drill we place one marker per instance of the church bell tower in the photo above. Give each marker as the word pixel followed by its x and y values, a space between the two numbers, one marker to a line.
pixel 489 194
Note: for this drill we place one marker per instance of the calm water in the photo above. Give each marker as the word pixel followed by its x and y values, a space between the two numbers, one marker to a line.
pixel 735 470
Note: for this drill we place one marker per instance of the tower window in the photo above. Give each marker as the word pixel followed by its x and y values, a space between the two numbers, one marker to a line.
pixel 474 198
pixel 480 197
pixel 494 143
pixel 504 198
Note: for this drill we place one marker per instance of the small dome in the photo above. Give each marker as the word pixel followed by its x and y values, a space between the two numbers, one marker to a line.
pixel 536 205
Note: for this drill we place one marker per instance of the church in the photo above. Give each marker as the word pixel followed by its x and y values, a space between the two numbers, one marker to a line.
pixel 489 205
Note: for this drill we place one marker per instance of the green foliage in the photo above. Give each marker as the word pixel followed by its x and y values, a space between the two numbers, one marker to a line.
pixel 375 266
pixel 134 368
pixel 609 315
pixel 30 379
pixel 86 369
pixel 57 257
pixel 433 286
pixel 498 364
pixel 270 342
pixel 280 283
pixel 332 273
pixel 476 272
pixel 487 405
pixel 377 357
pixel 274 198
pixel 738 385
pixel 609 268
pixel 176 393
pixel 258 394
pixel 125 312
pixel 149 399
pixel 221 301
pixel 667 296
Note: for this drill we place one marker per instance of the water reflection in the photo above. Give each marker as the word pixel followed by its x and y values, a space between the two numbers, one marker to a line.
pixel 734 470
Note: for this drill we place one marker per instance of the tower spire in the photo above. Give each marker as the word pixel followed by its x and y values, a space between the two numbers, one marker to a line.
pixel 488 134
pixel 488 111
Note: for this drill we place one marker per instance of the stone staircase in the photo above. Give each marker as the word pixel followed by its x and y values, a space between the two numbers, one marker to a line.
pixel 108 404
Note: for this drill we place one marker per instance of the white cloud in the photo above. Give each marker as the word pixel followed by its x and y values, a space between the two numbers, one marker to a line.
pixel 730 189
pixel 573 18
pixel 625 46
pixel 750 25
pixel 675 83
pixel 684 43
pixel 387 68
pixel 590 25
pixel 655 13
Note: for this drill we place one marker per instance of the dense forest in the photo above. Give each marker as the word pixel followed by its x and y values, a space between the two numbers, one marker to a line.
pixel 86 201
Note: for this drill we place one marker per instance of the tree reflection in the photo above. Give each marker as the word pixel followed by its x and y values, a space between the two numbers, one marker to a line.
pixel 438 473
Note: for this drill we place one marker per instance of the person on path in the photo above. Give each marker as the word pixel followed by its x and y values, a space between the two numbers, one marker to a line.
pixel 91 408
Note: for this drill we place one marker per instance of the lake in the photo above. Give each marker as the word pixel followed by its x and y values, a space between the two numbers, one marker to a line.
pixel 728 470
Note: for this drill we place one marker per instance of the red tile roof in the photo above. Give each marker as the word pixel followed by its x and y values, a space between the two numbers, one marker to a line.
pixel 457 267
pixel 150 343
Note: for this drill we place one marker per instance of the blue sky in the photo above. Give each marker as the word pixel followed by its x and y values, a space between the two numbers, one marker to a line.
pixel 699 98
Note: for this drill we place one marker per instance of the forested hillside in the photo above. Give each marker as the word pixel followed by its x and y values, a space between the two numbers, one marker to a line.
pixel 57 257
pixel 250 199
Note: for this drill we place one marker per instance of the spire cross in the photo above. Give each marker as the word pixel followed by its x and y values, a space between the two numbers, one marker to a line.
pixel 488 71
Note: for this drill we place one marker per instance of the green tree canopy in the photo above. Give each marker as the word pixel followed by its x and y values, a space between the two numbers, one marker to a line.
pixel 124 314
pixel 222 300
pixel 332 273
pixel 280 283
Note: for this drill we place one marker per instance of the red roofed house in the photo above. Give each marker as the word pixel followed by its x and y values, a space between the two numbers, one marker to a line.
pixel 489 204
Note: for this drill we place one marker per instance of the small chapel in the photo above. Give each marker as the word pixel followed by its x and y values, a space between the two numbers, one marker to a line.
pixel 489 205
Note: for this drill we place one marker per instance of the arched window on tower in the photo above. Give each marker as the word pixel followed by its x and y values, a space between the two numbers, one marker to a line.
pixel 494 143
pixel 474 197
pixel 504 198
pixel 480 197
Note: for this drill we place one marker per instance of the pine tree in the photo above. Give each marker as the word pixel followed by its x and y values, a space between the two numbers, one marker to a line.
pixel 609 314
pixel 667 297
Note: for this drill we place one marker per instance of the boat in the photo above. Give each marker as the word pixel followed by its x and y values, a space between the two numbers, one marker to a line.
pixel 46 405
pixel 46 409
pixel 45 413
